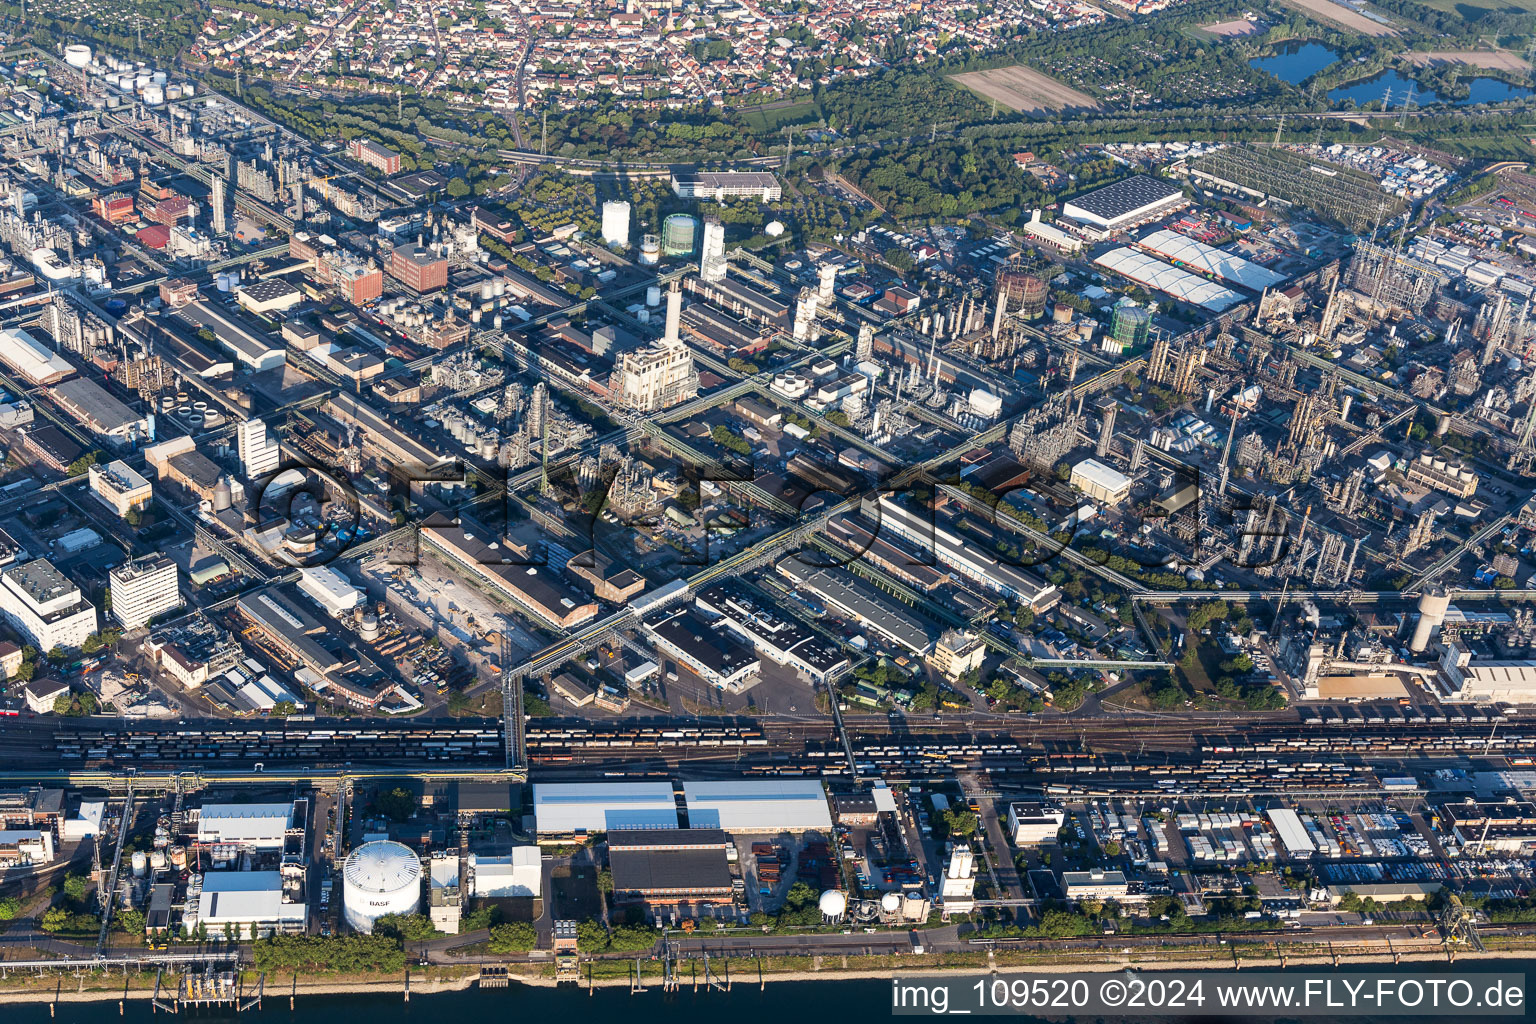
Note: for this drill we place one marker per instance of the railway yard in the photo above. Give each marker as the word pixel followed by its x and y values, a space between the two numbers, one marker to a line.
pixel 1313 753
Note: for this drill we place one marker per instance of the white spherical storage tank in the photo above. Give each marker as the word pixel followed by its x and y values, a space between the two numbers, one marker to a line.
pixel 379 878
pixel 833 904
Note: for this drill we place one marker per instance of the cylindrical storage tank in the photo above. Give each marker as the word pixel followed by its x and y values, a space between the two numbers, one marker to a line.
pixel 1024 292
pixel 77 55
pixel 1434 604
pixel 499 287
pixel 157 77
pixel 650 250
pixel 653 295
pixel 379 878
pixel 678 234
pixel 173 92
pixel 644 316
pixel 154 95
pixel 178 856
pixel 157 860
pixel 188 89
pixel 140 80
pixel 140 862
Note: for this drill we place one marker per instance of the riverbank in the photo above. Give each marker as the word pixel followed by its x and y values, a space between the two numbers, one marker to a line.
pixel 99 986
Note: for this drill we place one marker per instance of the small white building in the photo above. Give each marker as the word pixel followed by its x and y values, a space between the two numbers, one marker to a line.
pixel 251 904
pixel 519 874
pixel 1101 482
pixel 1034 824
pixel 329 589
pixel 25 848
pixel 258 826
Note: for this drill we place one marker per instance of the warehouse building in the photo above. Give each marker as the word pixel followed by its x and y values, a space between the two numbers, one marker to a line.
pixel 1468 677
pixel 714 653
pixel 100 413
pixel 928 533
pixel 1125 203
pixel 518 874
pixel 1100 482
pixel 1293 834
pixel 783 640
pixel 758 807
pixel 586 808
pixel 256 351
pixel 678 870
pixel 1151 272
pixel 538 589
pixel 252 826
pixel 270 295
pixel 1181 250
pixel 330 589
pixel 251 903
pixel 29 357
pixel 292 630
pixel 860 601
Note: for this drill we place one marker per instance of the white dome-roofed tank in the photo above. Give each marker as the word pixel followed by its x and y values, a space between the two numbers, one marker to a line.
pixel 891 902
pixel 77 55
pixel 380 878
pixel 833 904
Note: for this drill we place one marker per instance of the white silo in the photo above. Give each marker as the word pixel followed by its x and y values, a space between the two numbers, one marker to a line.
pixel 380 878
pixel 616 223
pixel 833 904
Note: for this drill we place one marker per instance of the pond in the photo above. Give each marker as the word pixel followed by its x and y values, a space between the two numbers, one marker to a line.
pixel 1371 90
pixel 1296 61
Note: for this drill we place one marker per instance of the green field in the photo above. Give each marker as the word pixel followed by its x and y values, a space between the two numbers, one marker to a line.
pixel 772 119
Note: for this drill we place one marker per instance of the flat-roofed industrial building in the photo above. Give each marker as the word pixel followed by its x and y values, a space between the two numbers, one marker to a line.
pixel 758 806
pixel 585 808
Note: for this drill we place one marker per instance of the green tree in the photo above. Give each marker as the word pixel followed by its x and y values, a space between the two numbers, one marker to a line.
pixel 512 937
pixel 10 906
pixel 409 927
pixel 458 188
pixel 398 804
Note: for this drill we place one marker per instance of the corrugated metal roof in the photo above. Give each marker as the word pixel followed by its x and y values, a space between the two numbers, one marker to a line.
pixel 1210 260
pixel 771 805
pixel 560 808
pixel 1181 284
